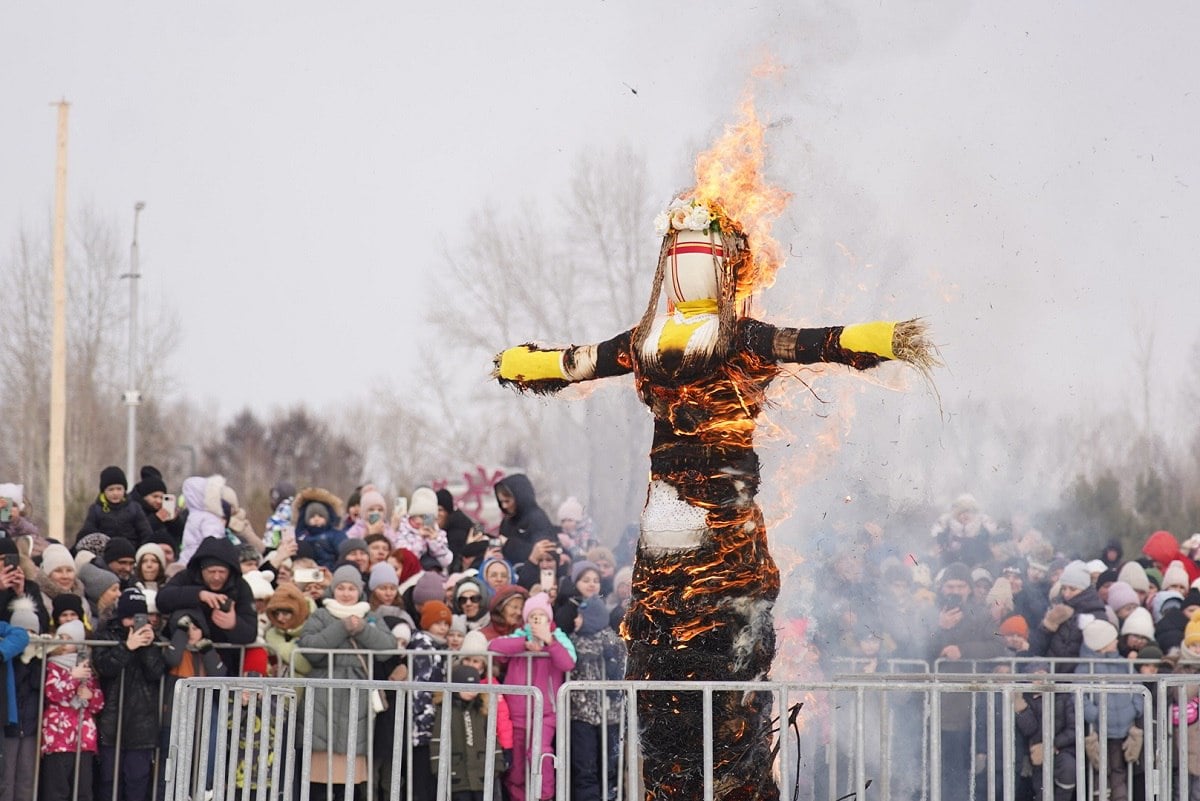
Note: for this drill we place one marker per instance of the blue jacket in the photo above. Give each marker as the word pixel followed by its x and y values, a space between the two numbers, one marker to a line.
pixel 13 640
pixel 1124 709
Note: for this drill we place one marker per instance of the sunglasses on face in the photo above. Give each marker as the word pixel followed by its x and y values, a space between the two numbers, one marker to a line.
pixel 469 599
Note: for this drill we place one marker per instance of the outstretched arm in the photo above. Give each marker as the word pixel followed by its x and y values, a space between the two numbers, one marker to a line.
pixel 859 346
pixel 540 369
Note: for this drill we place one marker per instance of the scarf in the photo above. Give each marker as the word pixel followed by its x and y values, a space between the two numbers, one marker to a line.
pixel 75 635
pixel 342 611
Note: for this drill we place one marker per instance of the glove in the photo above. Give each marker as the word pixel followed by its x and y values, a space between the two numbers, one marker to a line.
pixel 508 759
pixel 1132 747
pixel 1091 747
pixel 1055 616
pixel 204 645
pixel 1037 754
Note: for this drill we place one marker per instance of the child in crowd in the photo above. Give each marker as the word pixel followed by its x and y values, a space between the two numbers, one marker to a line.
pixel 418 532
pixel 1061 750
pixel 474 652
pixel 537 636
pixel 287 612
pixel 600 656
pixel 468 740
pixel 458 630
pixel 1123 737
pixel 130 673
pixel 378 548
pixel 73 699
pixel 24 722
pixel 315 517
pixel 435 625
pixel 150 566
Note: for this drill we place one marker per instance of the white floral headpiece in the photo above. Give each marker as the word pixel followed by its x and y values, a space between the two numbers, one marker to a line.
pixel 684 215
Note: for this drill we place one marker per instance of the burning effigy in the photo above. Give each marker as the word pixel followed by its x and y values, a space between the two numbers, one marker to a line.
pixel 704 581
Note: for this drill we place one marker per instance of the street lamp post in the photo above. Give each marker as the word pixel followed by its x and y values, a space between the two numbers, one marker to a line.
pixel 133 398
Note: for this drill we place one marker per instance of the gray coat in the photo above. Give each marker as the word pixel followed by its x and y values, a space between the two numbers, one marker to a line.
pixel 323 630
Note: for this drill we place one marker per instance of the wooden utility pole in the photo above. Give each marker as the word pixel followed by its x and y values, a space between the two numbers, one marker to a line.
pixel 58 348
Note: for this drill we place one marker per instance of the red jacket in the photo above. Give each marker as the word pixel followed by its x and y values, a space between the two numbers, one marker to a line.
pixel 1163 548
pixel 61 725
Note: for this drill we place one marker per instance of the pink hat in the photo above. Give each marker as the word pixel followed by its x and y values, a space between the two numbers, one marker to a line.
pixel 372 498
pixel 539 602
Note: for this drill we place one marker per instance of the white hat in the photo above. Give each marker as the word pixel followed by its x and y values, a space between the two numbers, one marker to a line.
pixel 55 556
pixel 1134 575
pixel 1096 566
pixel 1139 622
pixel 1076 575
pixel 424 502
pixel 1099 634
pixel 260 583
pixel 1175 575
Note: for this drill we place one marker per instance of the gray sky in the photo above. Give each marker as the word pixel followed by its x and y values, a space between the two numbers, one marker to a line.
pixel 1022 173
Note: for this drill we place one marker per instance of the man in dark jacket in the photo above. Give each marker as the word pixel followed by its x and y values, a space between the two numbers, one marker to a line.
pixel 527 530
pixel 130 672
pixel 113 514
pixel 212 587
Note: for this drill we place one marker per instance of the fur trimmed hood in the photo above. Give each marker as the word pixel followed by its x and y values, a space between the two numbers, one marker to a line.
pixel 316 494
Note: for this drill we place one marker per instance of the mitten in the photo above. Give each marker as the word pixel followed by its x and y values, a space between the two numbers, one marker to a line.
pixel 1036 754
pixel 1132 747
pixel 1055 616
pixel 1091 747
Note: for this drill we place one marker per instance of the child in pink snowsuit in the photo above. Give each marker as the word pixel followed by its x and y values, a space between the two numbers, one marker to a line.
pixel 538 636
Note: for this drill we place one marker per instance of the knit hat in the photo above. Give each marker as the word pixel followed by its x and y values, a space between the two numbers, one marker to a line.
pixel 95 542
pixel 600 554
pixel 423 502
pixel 1133 574
pixel 260 583
pixel 1120 595
pixel 435 612
pixel 347 574
pixel 1175 576
pixel 570 509
pixel 1015 624
pixel 352 544
pixel 1076 575
pixel 538 603
pixel 154 550
pixel 1107 577
pixel 1150 652
pixel 468 585
pixel 505 593
pixel 96 582
pixel 458 623
pixel 382 574
pixel 118 548
pixel 315 508
pixel 580 566
pixel 595 616
pixel 1192 598
pixel 1000 595
pixel 1191 633
pixel 56 556
pixel 132 602
pixel 1099 634
pixel 474 644
pixel 24 616
pixel 371 498
pixel 112 475
pixel 1096 566
pixel 149 485
pixel 955 571
pixel 1163 602
pixel 624 576
pixel 445 500
pixel 66 602
pixel 979 574
pixel 254 662
pixel 1139 622
pixel 428 588
pixel 464 674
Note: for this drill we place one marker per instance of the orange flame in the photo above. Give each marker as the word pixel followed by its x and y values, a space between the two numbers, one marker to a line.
pixel 729 175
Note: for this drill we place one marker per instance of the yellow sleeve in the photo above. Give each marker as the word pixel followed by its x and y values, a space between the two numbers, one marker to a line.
pixel 874 338
pixel 523 363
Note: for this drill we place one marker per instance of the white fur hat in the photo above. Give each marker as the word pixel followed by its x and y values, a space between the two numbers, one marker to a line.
pixel 260 583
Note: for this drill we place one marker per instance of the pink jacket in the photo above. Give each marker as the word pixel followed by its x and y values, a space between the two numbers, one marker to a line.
pixel 60 722
pixel 504 724
pixel 546 671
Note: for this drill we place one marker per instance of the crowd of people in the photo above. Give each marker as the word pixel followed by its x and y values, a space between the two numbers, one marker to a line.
pixel 983 597
pixel 158 587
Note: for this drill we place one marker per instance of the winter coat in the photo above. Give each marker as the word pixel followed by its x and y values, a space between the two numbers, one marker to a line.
pixel 528 524
pixel 545 670
pixel 1191 710
pixel 482 618
pixel 284 642
pixel 1029 720
pixel 429 669
pixel 61 724
pixel 1163 548
pixel 50 591
pixel 496 627
pixel 171 529
pixel 184 588
pixel 319 544
pixel 1066 641
pixel 1124 710
pixel 28 680
pixel 458 527
pixel 132 681
pixel 410 539
pixel 598 657
pixel 124 519
pixel 468 745
pixel 206 518
pixel 13 640
pixel 331 709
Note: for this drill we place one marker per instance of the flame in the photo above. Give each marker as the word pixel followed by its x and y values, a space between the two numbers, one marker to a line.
pixel 729 176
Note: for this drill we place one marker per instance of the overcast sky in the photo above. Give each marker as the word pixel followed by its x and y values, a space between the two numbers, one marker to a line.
pixel 1024 174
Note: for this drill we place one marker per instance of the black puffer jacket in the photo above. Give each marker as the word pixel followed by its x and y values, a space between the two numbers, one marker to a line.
pixel 183 592
pixel 528 524
pixel 1065 641
pixel 125 519
pixel 131 681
